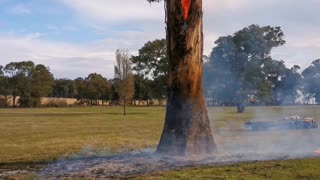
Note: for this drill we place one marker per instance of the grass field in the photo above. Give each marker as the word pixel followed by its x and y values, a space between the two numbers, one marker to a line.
pixel 33 136
pixel 43 135
pixel 284 170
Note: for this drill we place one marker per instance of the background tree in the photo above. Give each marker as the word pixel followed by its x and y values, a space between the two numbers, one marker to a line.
pixel 113 96
pixel 142 88
pixel 240 64
pixel 4 91
pixel 41 85
pixel 152 63
pixel 19 79
pixel 274 72
pixel 311 81
pixel 96 88
pixel 288 87
pixel 186 129
pixel 29 81
pixel 90 90
pixel 124 80
pixel 65 88
pixel 152 60
pixel 1 71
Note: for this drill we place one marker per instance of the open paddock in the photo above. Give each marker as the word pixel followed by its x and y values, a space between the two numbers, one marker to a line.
pixel 30 138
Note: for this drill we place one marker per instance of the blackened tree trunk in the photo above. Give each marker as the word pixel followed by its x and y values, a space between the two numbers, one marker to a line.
pixel 187 129
pixel 241 107
pixel 124 107
pixel 240 102
pixel 14 97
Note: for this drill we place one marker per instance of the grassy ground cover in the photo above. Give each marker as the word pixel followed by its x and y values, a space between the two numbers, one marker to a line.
pixel 42 135
pixel 291 169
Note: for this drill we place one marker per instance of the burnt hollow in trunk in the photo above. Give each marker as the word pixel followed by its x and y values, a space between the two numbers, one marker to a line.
pixel 187 129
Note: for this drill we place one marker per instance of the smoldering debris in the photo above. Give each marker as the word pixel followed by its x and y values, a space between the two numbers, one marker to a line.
pixel 6 174
pixel 129 164
pixel 289 122
pixel 234 147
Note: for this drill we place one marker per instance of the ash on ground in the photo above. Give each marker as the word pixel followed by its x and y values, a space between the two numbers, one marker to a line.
pixel 132 164
pixel 234 147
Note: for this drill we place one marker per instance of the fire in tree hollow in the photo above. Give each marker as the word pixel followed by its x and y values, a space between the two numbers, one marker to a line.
pixel 186 6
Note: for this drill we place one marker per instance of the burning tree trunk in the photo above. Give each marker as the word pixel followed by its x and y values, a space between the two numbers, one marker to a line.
pixel 187 128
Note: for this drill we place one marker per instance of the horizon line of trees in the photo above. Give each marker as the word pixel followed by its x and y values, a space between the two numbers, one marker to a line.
pixel 239 71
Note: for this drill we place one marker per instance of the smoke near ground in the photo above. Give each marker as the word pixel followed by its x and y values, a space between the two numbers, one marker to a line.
pixel 235 144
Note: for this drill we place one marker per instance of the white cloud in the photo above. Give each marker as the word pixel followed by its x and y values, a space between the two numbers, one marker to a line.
pixel 107 11
pixel 65 60
pixel 298 20
pixel 140 22
pixel 33 36
pixel 299 50
pixel 70 60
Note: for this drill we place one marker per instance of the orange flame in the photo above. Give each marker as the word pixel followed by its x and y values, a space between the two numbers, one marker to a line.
pixel 186 6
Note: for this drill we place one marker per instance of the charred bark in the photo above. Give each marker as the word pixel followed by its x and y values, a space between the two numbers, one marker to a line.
pixel 240 102
pixel 187 129
pixel 124 107
pixel 14 101
pixel 240 107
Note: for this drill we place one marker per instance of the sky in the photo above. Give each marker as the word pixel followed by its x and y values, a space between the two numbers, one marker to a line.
pixel 78 37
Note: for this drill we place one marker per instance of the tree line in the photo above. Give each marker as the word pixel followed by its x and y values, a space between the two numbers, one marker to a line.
pixel 239 71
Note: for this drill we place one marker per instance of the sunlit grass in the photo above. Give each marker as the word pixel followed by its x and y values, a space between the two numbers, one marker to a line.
pixel 37 135
pixel 46 134
pixel 291 169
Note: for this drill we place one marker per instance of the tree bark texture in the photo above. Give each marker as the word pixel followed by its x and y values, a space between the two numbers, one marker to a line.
pixel 124 107
pixel 187 129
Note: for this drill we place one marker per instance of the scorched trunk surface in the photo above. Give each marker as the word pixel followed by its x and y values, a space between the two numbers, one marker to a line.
pixel 187 129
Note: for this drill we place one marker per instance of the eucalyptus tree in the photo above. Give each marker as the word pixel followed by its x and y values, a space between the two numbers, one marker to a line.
pixel 151 65
pixel 187 129
pixel 243 65
pixel 311 80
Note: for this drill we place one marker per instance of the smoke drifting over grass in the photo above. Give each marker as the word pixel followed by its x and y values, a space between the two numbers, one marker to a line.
pixel 234 138
pixel 235 145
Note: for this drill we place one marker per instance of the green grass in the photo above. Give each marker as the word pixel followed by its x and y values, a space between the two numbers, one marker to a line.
pixel 292 169
pixel 42 135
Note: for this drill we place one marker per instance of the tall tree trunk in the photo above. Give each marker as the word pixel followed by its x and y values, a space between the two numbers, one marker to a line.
pixel 124 107
pixel 187 129
pixel 6 101
pixel 14 101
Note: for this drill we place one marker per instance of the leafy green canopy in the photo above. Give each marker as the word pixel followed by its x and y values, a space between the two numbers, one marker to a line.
pixel 151 66
pixel 311 81
pixel 240 67
pixel 29 81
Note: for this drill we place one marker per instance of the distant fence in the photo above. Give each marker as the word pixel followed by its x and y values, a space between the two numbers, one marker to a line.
pixel 62 102
pixel 45 101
